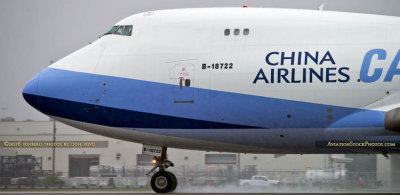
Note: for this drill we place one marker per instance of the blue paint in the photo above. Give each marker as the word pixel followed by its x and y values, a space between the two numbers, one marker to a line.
pixel 267 58
pixel 291 58
pixel 293 80
pixel 283 75
pixel 297 139
pixel 327 57
pixel 261 75
pixel 329 74
pixel 115 117
pixel 381 54
pixel 309 56
pixel 319 76
pixel 220 109
pixel 347 77
pixel 393 70
pixel 32 88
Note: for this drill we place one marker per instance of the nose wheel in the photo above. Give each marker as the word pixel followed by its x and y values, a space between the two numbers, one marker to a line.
pixel 163 181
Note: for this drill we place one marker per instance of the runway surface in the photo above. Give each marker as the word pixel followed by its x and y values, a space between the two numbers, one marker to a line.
pixel 205 190
pixel 187 193
pixel 138 192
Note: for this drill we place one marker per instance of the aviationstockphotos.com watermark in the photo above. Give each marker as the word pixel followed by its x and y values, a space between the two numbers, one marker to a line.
pixel 357 144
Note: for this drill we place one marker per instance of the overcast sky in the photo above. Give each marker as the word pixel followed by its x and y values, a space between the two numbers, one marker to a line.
pixel 33 32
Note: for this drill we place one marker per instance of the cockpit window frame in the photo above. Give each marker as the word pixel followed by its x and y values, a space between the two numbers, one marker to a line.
pixel 115 29
pixel 112 30
pixel 130 32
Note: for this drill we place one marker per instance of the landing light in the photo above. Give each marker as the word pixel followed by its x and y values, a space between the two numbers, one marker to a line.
pixel 154 161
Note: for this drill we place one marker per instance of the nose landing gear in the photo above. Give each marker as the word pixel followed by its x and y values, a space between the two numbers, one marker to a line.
pixel 162 181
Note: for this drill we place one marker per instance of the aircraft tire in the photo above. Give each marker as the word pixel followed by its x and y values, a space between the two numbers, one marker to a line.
pixel 162 182
pixel 174 181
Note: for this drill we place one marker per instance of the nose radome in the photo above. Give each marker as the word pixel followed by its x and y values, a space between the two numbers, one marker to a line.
pixel 30 91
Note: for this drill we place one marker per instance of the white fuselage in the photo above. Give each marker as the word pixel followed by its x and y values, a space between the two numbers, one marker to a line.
pixel 280 81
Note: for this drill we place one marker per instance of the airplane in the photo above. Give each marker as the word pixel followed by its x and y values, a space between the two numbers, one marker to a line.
pixel 248 80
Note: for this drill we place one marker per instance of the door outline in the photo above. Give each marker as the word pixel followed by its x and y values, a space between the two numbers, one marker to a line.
pixel 183 80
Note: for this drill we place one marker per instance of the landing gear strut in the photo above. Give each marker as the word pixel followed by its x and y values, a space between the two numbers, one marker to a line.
pixel 162 181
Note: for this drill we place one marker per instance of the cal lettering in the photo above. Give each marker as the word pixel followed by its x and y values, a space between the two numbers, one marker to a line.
pixel 393 70
pixel 381 55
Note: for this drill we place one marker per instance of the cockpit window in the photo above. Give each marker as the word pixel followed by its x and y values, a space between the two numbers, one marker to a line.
pixel 112 30
pixel 121 30
pixel 128 30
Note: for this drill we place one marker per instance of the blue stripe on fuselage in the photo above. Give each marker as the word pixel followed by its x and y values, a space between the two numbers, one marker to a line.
pixel 238 110
pixel 115 117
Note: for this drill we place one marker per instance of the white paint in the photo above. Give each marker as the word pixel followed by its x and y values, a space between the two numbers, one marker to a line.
pixel 162 39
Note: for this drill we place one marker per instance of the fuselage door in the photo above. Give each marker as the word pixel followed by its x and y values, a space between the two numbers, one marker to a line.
pixel 183 83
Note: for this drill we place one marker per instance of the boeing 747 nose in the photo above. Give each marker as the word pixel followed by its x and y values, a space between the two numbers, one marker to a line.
pixel 30 91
